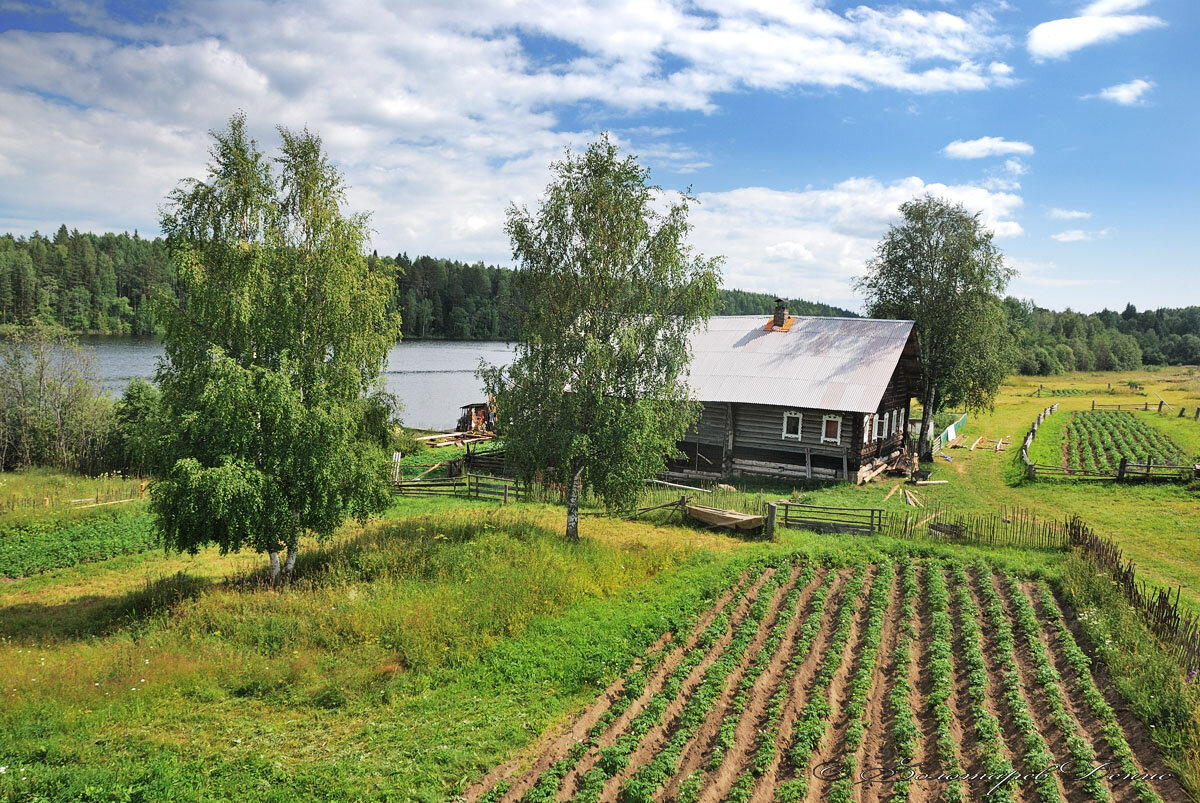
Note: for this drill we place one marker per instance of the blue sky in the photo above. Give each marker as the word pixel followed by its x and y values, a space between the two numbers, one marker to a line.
pixel 1071 127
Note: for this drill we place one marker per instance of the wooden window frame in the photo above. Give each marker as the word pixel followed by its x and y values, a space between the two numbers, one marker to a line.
pixel 887 423
pixel 799 416
pixel 867 428
pixel 877 429
pixel 824 423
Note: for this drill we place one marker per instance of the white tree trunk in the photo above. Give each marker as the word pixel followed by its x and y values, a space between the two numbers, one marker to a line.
pixel 274 556
pixel 573 505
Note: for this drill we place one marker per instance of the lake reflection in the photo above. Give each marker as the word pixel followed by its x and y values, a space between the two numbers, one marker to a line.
pixel 431 378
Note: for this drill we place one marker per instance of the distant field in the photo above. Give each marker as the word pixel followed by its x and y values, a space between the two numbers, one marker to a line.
pixel 1097 440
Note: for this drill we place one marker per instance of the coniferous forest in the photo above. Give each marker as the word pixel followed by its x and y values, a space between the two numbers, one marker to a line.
pixel 104 283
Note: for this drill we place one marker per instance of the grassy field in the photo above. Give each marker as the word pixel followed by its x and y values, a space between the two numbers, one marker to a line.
pixel 416 652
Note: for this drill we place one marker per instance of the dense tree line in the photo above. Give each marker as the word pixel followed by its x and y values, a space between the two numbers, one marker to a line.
pixel 1050 342
pixel 103 283
pixel 83 282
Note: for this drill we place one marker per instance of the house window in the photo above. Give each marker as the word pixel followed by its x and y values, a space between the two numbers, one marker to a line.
pixel 791 426
pixel 831 429
pixel 901 415
pixel 866 429
pixel 878 427
pixel 886 421
pixel 895 422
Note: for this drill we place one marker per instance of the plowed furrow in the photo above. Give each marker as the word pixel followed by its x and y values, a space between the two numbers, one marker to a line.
pixel 744 700
pixel 667 690
pixel 653 762
pixel 774 747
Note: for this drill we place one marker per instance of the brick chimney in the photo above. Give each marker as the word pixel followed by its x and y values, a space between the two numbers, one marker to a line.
pixel 780 313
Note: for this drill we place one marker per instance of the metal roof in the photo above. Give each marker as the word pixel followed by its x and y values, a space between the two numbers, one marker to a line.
pixel 822 363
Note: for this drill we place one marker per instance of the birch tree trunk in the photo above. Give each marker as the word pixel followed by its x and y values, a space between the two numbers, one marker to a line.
pixel 573 505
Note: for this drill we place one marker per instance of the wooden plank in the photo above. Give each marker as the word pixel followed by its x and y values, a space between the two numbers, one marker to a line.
pixel 932 482
pixel 894 488
pixel 976 443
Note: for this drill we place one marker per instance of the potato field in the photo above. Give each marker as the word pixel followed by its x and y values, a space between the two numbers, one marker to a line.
pixel 918 680
pixel 1095 441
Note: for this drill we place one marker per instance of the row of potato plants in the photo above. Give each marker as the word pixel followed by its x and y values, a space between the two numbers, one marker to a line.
pixel 615 757
pixel 646 781
pixel 764 753
pixel 940 660
pixel 987 727
pixel 1097 440
pixel 1036 756
pixel 1080 664
pixel 905 733
pixel 809 727
pixel 1082 757
pixel 762 757
pixel 546 785
pixel 841 791
pixel 632 686
pixel 727 731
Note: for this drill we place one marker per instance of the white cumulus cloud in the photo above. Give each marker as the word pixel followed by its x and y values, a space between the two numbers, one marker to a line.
pixel 1126 94
pixel 985 146
pixel 1068 214
pixel 1101 21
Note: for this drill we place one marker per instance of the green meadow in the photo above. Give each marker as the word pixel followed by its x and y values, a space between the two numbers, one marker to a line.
pixel 416 651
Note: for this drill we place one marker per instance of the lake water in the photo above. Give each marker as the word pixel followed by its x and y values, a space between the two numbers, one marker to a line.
pixel 432 379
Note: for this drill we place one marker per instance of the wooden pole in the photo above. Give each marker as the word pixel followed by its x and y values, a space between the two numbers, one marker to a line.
pixel 771 509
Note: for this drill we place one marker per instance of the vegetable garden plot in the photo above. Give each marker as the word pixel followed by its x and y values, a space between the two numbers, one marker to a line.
pixel 1095 441
pixel 801 678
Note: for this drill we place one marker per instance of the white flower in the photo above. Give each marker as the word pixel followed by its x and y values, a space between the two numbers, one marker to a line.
pixel 2 770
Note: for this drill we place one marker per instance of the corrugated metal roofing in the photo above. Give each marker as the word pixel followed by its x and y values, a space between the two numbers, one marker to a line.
pixel 823 363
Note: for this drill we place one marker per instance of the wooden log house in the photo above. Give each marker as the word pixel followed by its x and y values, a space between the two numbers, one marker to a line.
pixel 800 397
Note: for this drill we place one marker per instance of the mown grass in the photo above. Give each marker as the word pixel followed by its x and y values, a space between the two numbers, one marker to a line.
pixel 405 658
pixel 41 492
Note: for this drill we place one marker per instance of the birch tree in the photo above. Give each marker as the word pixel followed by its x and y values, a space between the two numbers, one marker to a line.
pixel 941 269
pixel 610 291
pixel 281 333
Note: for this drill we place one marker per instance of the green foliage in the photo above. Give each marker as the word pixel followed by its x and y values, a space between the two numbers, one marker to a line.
pixel 51 410
pixel 138 429
pixel 941 270
pixel 612 292
pixel 284 331
pixel 83 282
pixel 39 546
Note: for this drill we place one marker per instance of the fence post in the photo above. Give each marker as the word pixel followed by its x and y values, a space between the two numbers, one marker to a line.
pixel 1121 468
pixel 1093 405
pixel 1180 413
pixel 1196 417
pixel 1160 404
pixel 771 508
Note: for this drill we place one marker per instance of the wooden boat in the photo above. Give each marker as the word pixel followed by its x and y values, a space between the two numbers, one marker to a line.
pixel 730 519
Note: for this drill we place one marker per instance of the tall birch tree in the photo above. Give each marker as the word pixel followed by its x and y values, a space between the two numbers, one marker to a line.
pixel 280 335
pixel 610 291
pixel 941 269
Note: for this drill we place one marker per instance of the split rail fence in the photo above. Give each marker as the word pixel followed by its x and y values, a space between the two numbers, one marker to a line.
pixel 476 486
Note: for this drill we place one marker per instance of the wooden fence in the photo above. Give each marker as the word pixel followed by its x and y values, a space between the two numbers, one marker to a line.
pixel 1159 607
pixel 1125 472
pixel 113 496
pixel 831 519
pixel 476 486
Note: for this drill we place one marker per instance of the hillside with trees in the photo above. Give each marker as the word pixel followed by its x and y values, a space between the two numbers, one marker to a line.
pixel 103 283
